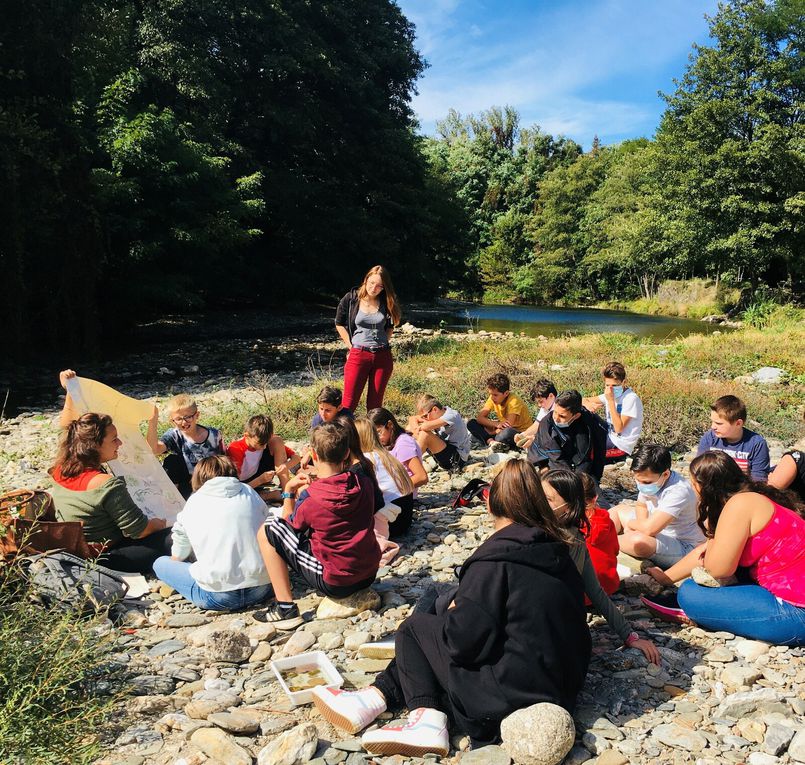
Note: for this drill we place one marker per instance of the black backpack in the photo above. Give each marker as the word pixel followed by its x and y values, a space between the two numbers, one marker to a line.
pixel 64 581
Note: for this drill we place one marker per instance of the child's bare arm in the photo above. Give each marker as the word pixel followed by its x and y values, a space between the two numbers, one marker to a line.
pixel 68 412
pixel 592 403
pixel 157 447
pixel 483 419
pixel 430 425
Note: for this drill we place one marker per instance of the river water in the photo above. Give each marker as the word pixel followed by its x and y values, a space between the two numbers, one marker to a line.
pixel 552 322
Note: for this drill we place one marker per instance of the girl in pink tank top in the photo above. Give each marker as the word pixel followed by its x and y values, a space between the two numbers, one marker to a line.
pixel 756 532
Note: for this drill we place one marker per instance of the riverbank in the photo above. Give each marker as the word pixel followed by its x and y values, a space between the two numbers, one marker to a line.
pixel 677 380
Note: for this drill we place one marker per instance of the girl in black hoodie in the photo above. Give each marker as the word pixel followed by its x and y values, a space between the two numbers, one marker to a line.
pixel 514 635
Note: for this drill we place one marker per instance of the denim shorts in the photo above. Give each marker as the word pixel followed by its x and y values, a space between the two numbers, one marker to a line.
pixel 670 550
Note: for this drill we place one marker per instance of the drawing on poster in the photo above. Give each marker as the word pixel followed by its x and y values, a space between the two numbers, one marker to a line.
pixel 147 482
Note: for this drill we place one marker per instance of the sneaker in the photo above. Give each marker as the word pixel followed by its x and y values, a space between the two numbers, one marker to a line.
pixel 666 607
pixel 498 446
pixel 281 618
pixel 349 710
pixel 424 733
pixel 379 649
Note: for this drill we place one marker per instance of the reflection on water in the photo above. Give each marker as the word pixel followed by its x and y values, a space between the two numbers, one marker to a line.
pixel 536 320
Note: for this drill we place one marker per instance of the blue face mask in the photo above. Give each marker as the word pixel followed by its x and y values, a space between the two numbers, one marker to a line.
pixel 562 425
pixel 649 489
pixel 617 390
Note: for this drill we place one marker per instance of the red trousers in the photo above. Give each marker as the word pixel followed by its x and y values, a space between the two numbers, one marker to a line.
pixel 362 367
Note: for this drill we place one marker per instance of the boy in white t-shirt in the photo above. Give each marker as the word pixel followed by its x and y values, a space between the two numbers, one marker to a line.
pixel 623 408
pixel 442 431
pixel 663 526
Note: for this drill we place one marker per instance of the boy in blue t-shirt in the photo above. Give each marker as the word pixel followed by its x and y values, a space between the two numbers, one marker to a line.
pixel 729 435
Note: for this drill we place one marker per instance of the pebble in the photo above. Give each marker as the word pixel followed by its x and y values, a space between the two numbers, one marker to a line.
pixel 679 737
pixel 220 746
pixel 751 649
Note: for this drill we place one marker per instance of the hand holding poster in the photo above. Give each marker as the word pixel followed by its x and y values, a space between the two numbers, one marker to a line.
pixel 146 481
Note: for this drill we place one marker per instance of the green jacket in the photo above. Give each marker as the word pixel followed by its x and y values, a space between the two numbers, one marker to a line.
pixel 108 512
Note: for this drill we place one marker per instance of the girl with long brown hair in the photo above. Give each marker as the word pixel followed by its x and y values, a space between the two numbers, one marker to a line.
pixel 519 597
pixel 755 531
pixel 365 319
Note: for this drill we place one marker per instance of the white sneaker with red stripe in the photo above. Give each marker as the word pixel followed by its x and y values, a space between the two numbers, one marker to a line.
pixel 349 710
pixel 424 733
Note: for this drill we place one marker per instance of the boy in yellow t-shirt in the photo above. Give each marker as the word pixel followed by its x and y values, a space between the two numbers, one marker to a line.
pixel 510 412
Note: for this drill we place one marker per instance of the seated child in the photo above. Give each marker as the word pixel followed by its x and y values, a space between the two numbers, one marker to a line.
pixel 218 526
pixel 511 415
pixel 329 406
pixel 326 535
pixel 400 443
pixel 624 411
pixel 570 437
pixel 441 431
pixel 543 394
pixel 261 455
pixel 728 434
pixel 186 444
pixel 664 525
pixel 392 478
pixel 601 538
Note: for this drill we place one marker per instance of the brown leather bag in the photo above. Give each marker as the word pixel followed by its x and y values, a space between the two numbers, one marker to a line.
pixel 28 525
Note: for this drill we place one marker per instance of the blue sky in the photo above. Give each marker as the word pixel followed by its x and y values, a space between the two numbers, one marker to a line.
pixel 574 67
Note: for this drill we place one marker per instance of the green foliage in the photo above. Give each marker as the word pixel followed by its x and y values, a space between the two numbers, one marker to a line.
pixel 50 663
pixel 759 313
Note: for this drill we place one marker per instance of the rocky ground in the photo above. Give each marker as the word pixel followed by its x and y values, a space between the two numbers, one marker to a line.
pixel 201 689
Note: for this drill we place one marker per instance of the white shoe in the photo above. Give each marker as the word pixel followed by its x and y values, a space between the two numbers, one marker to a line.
pixel 424 733
pixel 349 710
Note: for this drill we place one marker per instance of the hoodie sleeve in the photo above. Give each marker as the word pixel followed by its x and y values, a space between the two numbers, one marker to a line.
pixel 342 312
pixel 180 546
pixel 473 626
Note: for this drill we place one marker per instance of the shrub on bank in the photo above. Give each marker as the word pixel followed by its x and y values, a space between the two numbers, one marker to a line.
pixel 50 667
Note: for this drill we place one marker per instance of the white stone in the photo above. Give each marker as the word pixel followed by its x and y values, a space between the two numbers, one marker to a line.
pixel 365 600
pixel 541 734
pixel 220 746
pixel 294 747
pixel 751 649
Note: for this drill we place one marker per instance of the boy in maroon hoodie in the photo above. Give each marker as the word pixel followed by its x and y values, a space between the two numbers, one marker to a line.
pixel 325 535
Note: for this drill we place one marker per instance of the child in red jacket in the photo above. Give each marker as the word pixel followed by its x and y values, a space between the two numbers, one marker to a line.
pixel 602 539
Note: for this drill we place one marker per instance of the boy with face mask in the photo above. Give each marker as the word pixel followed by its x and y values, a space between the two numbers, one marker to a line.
pixel 663 525
pixel 570 437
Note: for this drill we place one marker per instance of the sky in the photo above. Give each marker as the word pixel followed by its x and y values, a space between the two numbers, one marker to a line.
pixel 579 68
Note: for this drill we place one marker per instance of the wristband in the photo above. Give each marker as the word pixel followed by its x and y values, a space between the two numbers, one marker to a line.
pixel 631 638
pixel 288 495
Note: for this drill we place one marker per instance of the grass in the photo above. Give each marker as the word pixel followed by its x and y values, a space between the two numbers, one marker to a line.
pixel 677 380
pixel 50 665
pixel 692 299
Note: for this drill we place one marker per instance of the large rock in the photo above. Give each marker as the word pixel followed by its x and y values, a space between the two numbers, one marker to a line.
pixel 220 746
pixel 239 723
pixel 768 375
pixel 207 703
pixel 641 584
pixel 796 749
pixel 365 600
pixel 299 642
pixel 738 705
pixel 228 645
pixel 294 747
pixel 679 737
pixel 151 685
pixel 541 734
pixel 751 649
pixel 736 677
pixel 486 755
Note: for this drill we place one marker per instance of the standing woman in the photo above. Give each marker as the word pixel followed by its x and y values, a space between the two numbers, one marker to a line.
pixel 365 319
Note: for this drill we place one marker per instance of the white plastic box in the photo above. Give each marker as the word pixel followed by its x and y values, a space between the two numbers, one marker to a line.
pixel 312 659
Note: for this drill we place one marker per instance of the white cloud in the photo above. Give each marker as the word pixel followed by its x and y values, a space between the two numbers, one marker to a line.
pixel 565 67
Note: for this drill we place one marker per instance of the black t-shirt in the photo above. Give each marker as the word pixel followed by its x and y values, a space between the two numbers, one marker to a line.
pixel 798 484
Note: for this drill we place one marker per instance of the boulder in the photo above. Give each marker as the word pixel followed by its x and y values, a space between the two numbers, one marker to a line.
pixel 541 734
pixel 768 376
pixel 228 645
pixel 220 746
pixel 352 605
pixel 294 747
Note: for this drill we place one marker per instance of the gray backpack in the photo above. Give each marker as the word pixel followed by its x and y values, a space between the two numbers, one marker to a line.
pixel 64 581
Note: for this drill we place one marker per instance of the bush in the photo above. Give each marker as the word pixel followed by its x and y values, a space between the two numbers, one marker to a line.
pixel 50 667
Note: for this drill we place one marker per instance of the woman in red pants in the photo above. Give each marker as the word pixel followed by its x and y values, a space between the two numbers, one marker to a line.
pixel 365 319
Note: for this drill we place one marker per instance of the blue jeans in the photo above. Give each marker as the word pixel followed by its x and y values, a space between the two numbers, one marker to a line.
pixel 177 574
pixel 747 610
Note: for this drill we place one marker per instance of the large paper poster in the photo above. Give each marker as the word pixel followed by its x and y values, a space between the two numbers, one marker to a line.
pixel 147 482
